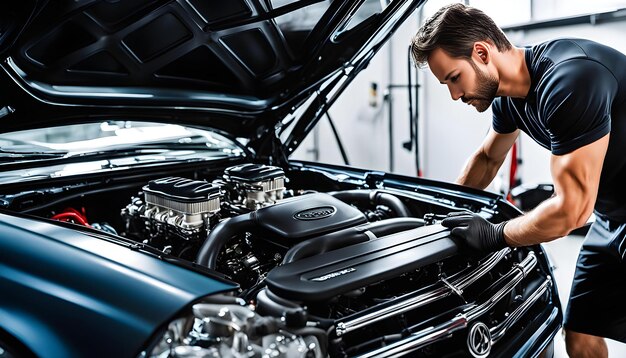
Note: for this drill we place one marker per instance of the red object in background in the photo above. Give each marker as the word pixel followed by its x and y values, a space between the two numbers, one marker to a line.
pixel 514 179
pixel 73 216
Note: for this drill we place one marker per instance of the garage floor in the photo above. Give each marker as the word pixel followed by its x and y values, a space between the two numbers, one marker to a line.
pixel 565 262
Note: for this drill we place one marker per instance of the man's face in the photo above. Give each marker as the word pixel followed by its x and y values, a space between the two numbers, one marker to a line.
pixel 465 80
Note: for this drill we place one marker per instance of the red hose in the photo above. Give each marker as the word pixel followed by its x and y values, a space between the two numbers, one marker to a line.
pixel 72 215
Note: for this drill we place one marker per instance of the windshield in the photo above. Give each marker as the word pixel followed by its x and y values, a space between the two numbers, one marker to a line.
pixel 96 137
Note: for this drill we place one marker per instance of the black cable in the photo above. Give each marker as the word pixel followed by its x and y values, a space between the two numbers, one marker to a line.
pixel 416 124
pixel 409 144
pixel 341 149
pixel 413 94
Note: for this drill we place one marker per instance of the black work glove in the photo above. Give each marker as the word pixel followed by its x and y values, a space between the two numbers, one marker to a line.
pixel 479 233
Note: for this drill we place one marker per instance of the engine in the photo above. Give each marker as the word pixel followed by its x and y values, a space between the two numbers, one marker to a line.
pixel 239 224
pixel 175 214
pixel 348 270
pixel 177 208
pixel 254 186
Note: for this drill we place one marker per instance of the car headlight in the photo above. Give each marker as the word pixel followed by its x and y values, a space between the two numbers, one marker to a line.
pixel 222 326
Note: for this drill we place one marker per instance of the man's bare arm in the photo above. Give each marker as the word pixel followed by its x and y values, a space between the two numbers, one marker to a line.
pixel 576 177
pixel 482 166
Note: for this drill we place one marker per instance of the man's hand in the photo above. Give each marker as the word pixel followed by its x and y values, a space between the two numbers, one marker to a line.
pixel 479 233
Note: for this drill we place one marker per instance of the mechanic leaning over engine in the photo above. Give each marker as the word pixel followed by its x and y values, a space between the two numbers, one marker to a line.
pixel 569 95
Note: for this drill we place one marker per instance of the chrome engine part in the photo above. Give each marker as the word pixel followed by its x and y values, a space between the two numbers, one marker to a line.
pixel 255 186
pixel 173 208
pixel 231 330
pixel 184 203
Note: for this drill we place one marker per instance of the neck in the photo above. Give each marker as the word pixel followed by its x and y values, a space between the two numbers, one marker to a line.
pixel 512 73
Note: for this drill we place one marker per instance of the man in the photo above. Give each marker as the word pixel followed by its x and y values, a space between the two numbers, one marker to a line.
pixel 569 95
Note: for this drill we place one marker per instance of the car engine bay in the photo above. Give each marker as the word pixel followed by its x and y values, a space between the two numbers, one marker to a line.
pixel 324 266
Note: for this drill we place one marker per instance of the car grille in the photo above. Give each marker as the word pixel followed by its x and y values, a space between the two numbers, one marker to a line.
pixel 471 306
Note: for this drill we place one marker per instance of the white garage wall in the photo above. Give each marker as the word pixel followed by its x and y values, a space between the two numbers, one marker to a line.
pixel 364 129
pixel 441 113
pixel 449 131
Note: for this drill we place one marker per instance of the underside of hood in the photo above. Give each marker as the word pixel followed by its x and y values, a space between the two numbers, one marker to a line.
pixel 240 65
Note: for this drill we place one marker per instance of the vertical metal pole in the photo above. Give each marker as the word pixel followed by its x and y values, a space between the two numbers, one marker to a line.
pixel 390 103
pixel 409 145
pixel 416 124
pixel 390 114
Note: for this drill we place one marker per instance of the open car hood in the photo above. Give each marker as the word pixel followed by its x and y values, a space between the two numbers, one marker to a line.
pixel 241 66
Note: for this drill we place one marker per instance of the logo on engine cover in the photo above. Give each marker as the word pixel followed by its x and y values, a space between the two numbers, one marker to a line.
pixel 315 213
pixel 479 340
pixel 333 274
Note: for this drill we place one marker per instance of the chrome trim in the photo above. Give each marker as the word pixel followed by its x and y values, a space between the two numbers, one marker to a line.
pixel 452 287
pixel 463 282
pixel 420 339
pixel 404 305
pixel 444 330
pixel 498 331
pixel 515 276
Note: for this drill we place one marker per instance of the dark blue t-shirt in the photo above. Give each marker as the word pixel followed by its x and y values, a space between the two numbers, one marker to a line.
pixel 577 96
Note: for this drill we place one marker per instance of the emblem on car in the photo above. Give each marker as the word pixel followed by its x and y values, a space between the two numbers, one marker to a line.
pixel 315 213
pixel 479 340
pixel 333 274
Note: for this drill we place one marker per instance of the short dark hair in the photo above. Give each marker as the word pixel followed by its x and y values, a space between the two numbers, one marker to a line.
pixel 454 28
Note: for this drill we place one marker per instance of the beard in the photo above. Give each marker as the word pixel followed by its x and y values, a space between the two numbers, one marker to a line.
pixel 487 87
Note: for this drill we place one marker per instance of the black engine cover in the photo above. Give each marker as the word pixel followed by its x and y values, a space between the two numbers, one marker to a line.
pixel 305 216
pixel 321 277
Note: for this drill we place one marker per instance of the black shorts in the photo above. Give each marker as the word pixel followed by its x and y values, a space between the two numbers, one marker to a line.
pixel 597 302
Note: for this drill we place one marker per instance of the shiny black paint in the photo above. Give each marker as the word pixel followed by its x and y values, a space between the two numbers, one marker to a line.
pixel 68 294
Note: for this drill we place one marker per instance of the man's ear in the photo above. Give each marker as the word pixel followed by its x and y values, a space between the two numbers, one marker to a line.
pixel 481 50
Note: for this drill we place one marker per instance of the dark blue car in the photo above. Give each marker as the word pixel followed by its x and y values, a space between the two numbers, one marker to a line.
pixel 148 206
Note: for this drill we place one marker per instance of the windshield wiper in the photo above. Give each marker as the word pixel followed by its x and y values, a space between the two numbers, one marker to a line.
pixel 26 158
pixel 175 145
pixel 10 155
pixel 147 148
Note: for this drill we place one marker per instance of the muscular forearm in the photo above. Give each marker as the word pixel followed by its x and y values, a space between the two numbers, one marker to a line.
pixel 479 171
pixel 576 180
pixel 550 220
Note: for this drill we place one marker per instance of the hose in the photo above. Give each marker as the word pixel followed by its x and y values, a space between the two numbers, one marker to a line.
pixel 217 238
